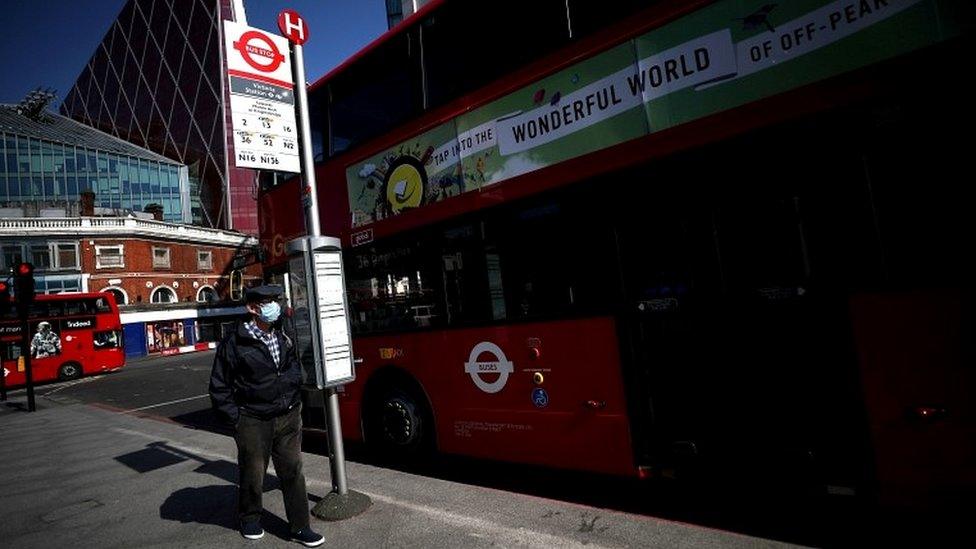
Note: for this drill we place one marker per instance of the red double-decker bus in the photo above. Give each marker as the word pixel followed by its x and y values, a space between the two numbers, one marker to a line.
pixel 70 335
pixel 658 238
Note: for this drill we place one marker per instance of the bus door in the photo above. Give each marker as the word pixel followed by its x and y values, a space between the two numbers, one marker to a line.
pixel 791 243
pixel 663 328
pixel 766 341
pixel 745 366
pixel 10 349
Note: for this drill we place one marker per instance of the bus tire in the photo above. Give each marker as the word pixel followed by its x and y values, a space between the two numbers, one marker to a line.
pixel 69 371
pixel 397 422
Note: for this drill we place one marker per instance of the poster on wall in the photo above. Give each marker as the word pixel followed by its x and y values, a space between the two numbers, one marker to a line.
pixel 164 336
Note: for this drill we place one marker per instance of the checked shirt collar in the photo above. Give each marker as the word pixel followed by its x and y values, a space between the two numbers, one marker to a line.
pixel 269 339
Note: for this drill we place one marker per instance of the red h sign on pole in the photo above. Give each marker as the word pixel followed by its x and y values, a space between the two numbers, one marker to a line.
pixel 293 26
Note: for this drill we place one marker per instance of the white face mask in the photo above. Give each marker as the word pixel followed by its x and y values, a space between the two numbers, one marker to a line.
pixel 269 312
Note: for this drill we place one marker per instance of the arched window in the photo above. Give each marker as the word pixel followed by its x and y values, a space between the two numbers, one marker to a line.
pixel 163 294
pixel 121 298
pixel 207 294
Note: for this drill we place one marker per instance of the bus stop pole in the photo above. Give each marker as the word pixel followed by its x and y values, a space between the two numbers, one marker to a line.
pixel 337 459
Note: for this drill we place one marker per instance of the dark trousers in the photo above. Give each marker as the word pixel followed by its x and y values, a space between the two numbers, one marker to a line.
pixel 280 439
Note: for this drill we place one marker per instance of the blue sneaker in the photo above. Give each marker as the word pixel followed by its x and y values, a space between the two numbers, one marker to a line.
pixel 252 530
pixel 307 537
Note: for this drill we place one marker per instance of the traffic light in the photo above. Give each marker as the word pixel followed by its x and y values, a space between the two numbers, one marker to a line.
pixel 4 298
pixel 24 287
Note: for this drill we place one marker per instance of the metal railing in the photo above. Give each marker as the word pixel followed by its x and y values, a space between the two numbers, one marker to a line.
pixel 116 226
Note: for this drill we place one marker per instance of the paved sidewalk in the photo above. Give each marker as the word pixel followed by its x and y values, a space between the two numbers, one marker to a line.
pixel 76 475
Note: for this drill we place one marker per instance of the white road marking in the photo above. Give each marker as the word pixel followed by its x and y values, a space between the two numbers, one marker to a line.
pixel 165 403
pixel 67 384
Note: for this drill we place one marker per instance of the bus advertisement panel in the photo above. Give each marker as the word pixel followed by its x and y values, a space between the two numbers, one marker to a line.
pixel 699 65
pixel 70 335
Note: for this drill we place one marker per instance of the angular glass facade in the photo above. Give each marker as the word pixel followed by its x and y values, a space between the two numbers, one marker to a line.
pixel 47 161
pixel 156 81
pixel 34 170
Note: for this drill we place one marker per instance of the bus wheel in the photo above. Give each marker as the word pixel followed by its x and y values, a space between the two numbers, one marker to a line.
pixel 69 370
pixel 398 423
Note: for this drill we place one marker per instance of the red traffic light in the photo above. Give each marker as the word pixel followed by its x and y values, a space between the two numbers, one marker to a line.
pixel 4 287
pixel 25 269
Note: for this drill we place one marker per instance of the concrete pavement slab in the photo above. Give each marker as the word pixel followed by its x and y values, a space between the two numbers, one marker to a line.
pixel 78 475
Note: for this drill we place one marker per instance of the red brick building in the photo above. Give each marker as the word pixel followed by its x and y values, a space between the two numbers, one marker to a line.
pixel 172 281
pixel 153 270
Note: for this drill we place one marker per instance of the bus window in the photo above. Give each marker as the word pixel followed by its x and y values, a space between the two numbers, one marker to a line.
pixel 109 339
pixel 47 309
pixel 379 92
pixel 86 306
pixel 11 350
pixel 451 71
pixel 318 109
pixel 465 256
pixel 102 306
pixel 761 243
pixel 74 308
pixel 38 309
pixel 552 264
pixel 394 286
pixel 587 16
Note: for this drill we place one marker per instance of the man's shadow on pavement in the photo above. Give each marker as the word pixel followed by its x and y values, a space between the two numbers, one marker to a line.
pixel 215 505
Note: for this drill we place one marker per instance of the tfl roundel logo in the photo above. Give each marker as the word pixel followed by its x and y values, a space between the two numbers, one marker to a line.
pixel 500 365
pixel 259 51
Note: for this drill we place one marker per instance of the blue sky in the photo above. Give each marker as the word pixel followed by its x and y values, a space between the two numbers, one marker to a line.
pixel 46 43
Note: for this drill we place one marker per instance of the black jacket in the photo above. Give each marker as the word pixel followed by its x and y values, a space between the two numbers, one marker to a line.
pixel 245 378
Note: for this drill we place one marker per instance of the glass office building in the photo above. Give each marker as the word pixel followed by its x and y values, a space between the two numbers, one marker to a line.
pixel 398 10
pixel 47 162
pixel 156 80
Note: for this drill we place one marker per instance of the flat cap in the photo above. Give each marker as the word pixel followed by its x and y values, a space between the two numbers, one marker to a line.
pixel 260 293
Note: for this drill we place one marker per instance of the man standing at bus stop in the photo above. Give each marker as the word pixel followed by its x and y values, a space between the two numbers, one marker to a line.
pixel 255 386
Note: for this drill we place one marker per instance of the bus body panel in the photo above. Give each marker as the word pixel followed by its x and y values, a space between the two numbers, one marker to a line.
pixel 574 418
pixel 76 327
pixel 916 361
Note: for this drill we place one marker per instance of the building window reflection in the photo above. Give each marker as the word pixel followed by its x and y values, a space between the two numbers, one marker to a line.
pixel 54 174
pixel 207 295
pixel 120 297
pixel 163 294
pixel 161 257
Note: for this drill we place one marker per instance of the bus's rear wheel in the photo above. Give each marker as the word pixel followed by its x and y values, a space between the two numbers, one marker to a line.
pixel 398 423
pixel 69 371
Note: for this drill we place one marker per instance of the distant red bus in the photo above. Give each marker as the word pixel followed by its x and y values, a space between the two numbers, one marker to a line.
pixel 666 238
pixel 71 335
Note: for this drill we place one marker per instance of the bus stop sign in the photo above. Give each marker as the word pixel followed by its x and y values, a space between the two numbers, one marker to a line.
pixel 259 51
pixel 293 26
